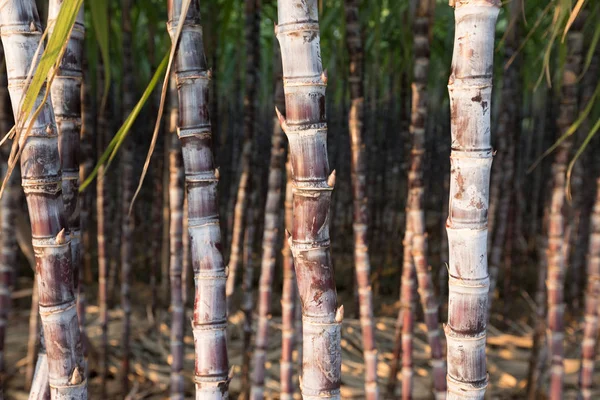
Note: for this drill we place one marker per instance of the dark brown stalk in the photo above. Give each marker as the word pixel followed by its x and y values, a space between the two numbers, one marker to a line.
pixel 362 262
pixel 252 28
pixel 211 373
pixel 557 243
pixel 9 207
pixel 42 184
pixel 304 83
pixel 247 306
pixel 176 187
pixel 271 237
pixel 508 133
pixel 127 218
pixel 88 138
pixel 289 305
pixel 592 303
pixel 66 101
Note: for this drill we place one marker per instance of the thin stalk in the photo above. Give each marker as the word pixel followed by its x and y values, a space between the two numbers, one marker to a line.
pixel 271 237
pixel 289 305
pixel 42 184
pixel 101 228
pixel 557 249
pixel 407 309
pixel 32 341
pixel 176 230
pixel 252 28
pixel 305 125
pixel 9 207
pixel 362 262
pixel 592 304
pixel 127 218
pixel 40 389
pixel 415 209
pixel 470 88
pixel 508 131
pixel 247 292
pixel 209 322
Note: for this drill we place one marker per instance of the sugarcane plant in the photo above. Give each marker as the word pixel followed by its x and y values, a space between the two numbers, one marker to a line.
pixel 470 89
pixel 592 296
pixel 176 189
pixel 211 372
pixel 289 303
pixel 251 33
pixel 41 179
pixel 558 245
pixel 362 263
pixel 305 125
pixel 271 237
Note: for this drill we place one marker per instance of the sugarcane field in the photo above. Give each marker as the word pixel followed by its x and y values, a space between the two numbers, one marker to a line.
pixel 300 199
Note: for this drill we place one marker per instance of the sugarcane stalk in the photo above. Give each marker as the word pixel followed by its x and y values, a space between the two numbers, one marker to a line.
pixel 408 295
pixel 127 218
pixel 41 180
pixel 40 389
pixel 211 373
pixel 592 304
pixel 557 250
pixel 176 260
pixel 252 27
pixel 66 96
pixel 415 214
pixel 362 263
pixel 508 132
pixel 9 206
pixel 271 237
pixel 247 305
pixel 102 223
pixel 291 331
pixel 470 88
pixel 305 125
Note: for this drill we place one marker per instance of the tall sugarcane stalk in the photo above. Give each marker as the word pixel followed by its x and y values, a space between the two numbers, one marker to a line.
pixel 289 305
pixel 557 250
pixel 247 305
pixel 66 101
pixel 176 187
pixel 362 263
pixel 592 303
pixel 271 237
pixel 508 128
pixel 21 32
pixel 305 125
pixel 470 88
pixel 252 30
pixel 102 223
pixel 415 214
pixel 211 373
pixel 9 205
pixel 127 218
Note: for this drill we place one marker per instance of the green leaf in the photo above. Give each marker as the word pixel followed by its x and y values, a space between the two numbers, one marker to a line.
pixel 581 149
pixel 572 129
pixel 51 55
pixel 114 145
pixel 99 11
